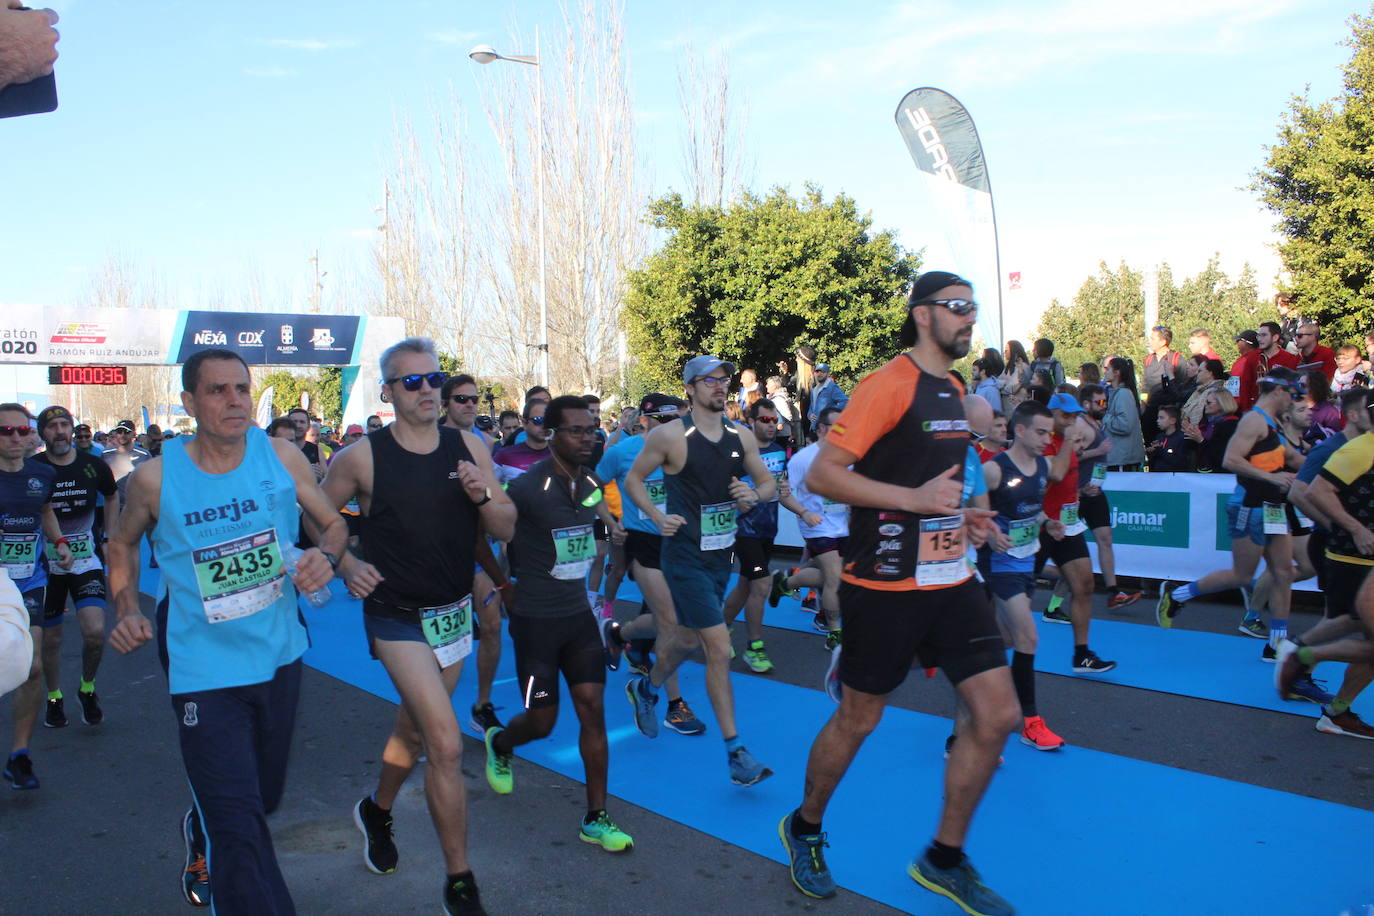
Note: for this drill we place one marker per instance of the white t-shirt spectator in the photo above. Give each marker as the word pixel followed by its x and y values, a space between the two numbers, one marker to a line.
pixel 834 516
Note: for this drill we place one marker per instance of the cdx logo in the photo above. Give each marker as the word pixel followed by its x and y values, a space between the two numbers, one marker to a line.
pixel 250 338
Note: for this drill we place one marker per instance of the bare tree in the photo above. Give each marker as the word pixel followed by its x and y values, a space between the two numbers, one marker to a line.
pixel 713 158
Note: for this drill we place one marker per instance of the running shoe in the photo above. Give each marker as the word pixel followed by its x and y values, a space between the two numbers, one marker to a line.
pixel 962 884
pixel 745 770
pixel 833 640
pixel 1287 668
pixel 55 716
pixel 1056 614
pixel 811 602
pixel 379 850
pixel 604 833
pixel 19 771
pixel 646 720
pixel 1254 626
pixel 195 876
pixel 682 720
pixel 1089 663
pixel 461 899
pixel 498 766
pixel 819 623
pixel 640 662
pixel 612 643
pixel 779 589
pixel 484 718
pixel 833 688
pixel 1346 723
pixel 1122 598
pixel 1304 688
pixel 1037 734
pixel 1269 655
pixel 806 861
pixel 756 658
pixel 91 713
pixel 1167 608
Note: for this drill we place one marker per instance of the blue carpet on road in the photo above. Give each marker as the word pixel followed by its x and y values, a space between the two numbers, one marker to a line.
pixel 1074 831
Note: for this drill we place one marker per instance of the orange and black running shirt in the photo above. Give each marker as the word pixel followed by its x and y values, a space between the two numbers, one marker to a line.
pixel 1266 455
pixel 904 427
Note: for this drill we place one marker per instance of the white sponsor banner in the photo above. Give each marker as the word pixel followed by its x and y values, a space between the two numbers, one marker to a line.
pixel 94 336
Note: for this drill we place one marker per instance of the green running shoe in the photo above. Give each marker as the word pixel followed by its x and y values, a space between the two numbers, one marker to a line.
pixel 962 884
pixel 806 861
pixel 1167 607
pixel 498 766
pixel 757 659
pixel 604 833
pixel 779 590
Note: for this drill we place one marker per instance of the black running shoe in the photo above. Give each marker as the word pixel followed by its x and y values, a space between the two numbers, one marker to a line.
pixel 195 876
pixel 91 713
pixel 19 771
pixel 379 851
pixel 1089 663
pixel 460 897
pixel 483 718
pixel 55 716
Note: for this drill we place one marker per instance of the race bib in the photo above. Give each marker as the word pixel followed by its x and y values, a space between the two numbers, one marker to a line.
pixel 238 578
pixel 1025 537
pixel 1303 520
pixel 718 523
pixel 830 507
pixel 940 551
pixel 1099 474
pixel 19 554
pixel 574 548
pixel 658 495
pixel 448 630
pixel 1233 385
pixel 84 559
pixel 1069 516
pixel 1275 519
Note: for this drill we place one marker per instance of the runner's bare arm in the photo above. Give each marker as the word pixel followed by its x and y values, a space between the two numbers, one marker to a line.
pixel 142 495
pixel 343 480
pixel 1249 431
pixel 53 532
pixel 831 476
pixel 1324 496
pixel 479 479
pixel 1298 495
pixel 653 456
pixel 313 570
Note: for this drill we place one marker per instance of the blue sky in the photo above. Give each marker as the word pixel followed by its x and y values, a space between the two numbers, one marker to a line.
pixel 208 144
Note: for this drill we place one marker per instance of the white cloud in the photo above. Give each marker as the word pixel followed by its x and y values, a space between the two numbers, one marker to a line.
pixel 310 44
pixel 270 72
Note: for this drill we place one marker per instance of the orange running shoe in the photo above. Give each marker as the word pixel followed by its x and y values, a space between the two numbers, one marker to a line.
pixel 1037 734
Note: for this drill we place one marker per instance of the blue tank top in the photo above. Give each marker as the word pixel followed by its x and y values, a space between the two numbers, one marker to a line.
pixel 614 465
pixel 762 520
pixel 1018 502
pixel 23 494
pixel 227 612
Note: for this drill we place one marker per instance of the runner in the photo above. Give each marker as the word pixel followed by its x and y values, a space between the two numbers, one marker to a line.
pixel 81 435
pixel 1066 548
pixel 81 479
pixel 221 510
pixel 26 514
pixel 908 594
pixel 1259 522
pixel 123 456
pixel 1017 480
pixel 522 454
pixel 754 540
pixel 1093 507
pixel 595 578
pixel 426 494
pixel 656 624
pixel 704 460
pixel 553 629
pixel 824 527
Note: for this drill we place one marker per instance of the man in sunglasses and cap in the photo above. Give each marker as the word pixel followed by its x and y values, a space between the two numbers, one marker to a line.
pixel 427 494
pixel 897 457
pixel 704 461
pixel 124 456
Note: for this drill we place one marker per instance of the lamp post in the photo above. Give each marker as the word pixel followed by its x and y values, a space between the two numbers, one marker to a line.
pixel 485 54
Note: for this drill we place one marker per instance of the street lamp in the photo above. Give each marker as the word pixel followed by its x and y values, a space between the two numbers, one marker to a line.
pixel 485 54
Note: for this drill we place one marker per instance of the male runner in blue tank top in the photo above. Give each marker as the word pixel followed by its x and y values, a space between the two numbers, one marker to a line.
pixel 222 508
pixel 27 519
pixel 427 494
pixel 704 460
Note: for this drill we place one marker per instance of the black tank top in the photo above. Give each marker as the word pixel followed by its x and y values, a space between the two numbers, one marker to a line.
pixel 703 482
pixel 421 529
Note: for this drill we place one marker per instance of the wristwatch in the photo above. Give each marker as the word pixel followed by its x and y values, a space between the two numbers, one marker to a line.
pixel 485 499
pixel 333 560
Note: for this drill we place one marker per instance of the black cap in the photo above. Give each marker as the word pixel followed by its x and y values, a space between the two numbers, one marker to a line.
pixel 926 285
pixel 124 424
pixel 55 412
pixel 1249 337
pixel 657 404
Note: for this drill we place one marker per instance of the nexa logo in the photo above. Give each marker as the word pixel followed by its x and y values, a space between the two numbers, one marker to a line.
pixel 930 139
pixel 210 339
pixel 250 338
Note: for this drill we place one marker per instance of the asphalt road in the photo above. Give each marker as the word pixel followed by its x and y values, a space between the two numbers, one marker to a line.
pixel 102 834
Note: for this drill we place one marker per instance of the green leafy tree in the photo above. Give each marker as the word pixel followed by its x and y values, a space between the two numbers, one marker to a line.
pixel 753 280
pixel 325 387
pixel 1318 179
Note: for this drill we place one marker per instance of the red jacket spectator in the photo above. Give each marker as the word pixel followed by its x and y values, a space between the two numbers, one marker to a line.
pixel 1244 382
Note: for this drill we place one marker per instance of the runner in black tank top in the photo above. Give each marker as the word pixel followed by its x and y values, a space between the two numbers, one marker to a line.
pixel 426 494
pixel 705 494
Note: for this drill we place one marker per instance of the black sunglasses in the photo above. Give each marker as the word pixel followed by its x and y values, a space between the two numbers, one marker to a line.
pixel 412 382
pixel 957 306
pixel 464 398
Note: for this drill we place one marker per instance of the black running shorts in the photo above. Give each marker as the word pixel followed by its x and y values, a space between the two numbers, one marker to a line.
pixel 954 629
pixel 1061 552
pixel 1316 555
pixel 642 548
pixel 86 589
pixel 754 555
pixel 1343 581
pixel 1095 511
pixel 548 646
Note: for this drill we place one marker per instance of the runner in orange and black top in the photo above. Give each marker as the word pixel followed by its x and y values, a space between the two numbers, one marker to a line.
pixel 909 593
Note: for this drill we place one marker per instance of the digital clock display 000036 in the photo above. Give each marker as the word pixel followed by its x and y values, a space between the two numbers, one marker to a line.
pixel 88 375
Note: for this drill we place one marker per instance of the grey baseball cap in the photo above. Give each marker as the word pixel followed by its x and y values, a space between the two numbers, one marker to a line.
pixel 698 366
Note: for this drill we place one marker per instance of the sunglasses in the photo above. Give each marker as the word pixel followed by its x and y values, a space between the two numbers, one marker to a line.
pixel 957 306
pixel 575 431
pixel 537 421
pixel 374 426
pixel 464 398
pixel 412 382
pixel 83 435
pixel 768 420
pixel 20 431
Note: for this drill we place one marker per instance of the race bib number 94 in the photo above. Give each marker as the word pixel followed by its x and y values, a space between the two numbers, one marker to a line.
pixel 658 495
pixel 240 577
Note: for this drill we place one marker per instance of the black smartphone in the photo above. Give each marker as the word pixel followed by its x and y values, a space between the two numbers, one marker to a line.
pixel 34 97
